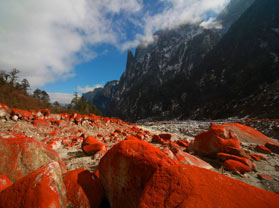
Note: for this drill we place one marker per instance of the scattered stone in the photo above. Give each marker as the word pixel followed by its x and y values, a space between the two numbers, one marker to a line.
pixel 264 177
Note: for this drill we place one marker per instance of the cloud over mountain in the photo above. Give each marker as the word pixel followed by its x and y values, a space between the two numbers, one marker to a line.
pixel 46 39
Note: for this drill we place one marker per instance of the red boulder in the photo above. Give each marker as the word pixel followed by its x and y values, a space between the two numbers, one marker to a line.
pixel 136 174
pixel 216 139
pixel 83 188
pixel 42 188
pixel 21 155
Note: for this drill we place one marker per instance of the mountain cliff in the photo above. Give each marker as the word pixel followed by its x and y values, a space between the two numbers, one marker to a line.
pixel 101 97
pixel 196 72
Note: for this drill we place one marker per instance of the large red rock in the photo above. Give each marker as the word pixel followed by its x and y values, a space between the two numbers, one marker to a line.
pixel 83 188
pixel 21 155
pixel 4 182
pixel 136 174
pixel 42 188
pixel 248 134
pixel 216 139
pixel 126 168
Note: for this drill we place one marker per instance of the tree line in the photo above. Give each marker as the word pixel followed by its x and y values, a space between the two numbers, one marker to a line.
pixel 10 81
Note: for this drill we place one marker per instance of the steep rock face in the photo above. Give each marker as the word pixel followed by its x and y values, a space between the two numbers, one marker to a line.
pixel 232 12
pixel 101 97
pixel 247 65
pixel 159 80
pixel 141 90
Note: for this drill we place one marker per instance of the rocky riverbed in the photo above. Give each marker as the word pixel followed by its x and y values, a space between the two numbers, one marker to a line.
pixel 32 143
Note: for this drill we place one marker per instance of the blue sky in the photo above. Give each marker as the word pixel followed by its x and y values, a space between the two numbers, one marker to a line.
pixel 69 46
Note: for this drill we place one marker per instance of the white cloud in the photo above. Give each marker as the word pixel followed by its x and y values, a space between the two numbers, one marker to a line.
pixel 42 38
pixel 45 39
pixel 177 12
pixel 88 88
pixel 62 98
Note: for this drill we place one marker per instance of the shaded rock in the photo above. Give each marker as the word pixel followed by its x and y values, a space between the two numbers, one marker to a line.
pixel 262 149
pixel 83 188
pixel 166 137
pixel 216 139
pixel 21 155
pixel 41 188
pixel 158 139
pixel 4 182
pixel 273 147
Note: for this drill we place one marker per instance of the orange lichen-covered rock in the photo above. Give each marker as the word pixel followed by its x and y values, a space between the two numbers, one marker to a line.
pixel 4 182
pixel 41 123
pixel 41 188
pixel 91 145
pixel 186 158
pixel 189 186
pixel 126 168
pixel 94 148
pixel 216 139
pixel 20 155
pixel 248 134
pixel 245 161
pixel 236 166
pixel 136 174
pixel 83 188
